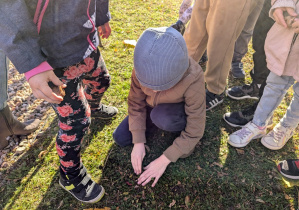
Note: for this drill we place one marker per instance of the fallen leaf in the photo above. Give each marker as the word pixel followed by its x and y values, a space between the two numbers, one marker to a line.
pixel 187 200
pixel 287 197
pixel 41 154
pixel 172 203
pixel 240 151
pixel 60 204
pixel 216 164
pixel 260 200
pixel 198 167
pixel 130 43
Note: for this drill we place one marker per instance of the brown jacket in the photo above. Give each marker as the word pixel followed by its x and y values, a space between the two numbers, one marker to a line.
pixel 282 45
pixel 191 90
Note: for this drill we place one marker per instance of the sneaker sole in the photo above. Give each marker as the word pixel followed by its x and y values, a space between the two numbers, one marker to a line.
pixel 289 176
pixel 219 102
pixel 96 199
pixel 244 145
pixel 231 124
pixel 241 98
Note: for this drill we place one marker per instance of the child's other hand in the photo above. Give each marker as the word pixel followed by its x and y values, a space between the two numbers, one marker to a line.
pixel 104 30
pixel 154 170
pixel 41 89
pixel 137 156
pixel 295 25
pixel 279 17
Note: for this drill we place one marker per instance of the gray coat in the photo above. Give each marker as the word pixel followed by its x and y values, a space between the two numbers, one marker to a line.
pixel 62 40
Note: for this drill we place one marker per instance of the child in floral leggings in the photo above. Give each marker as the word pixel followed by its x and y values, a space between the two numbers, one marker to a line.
pixel 54 43
pixel 86 83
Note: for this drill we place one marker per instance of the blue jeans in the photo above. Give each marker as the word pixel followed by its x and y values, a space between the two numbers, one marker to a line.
pixel 3 80
pixel 168 117
pixel 274 92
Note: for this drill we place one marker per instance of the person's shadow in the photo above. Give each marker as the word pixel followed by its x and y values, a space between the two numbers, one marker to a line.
pixel 22 172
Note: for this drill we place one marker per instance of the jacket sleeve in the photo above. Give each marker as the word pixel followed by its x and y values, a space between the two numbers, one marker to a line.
pixel 18 35
pixel 137 111
pixel 195 108
pixel 281 3
pixel 103 14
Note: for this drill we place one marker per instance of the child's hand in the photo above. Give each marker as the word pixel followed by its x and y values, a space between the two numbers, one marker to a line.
pixel 279 17
pixel 104 30
pixel 295 25
pixel 137 156
pixel 154 170
pixel 41 89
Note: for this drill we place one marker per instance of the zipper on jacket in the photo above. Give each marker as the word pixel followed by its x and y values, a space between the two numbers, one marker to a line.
pixel 293 42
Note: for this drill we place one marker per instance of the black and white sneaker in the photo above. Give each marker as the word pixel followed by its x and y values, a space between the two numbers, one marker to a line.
pixel 82 187
pixel 240 118
pixel 242 92
pixel 289 168
pixel 213 100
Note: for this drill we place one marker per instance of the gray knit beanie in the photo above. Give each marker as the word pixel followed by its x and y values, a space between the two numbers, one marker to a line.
pixel 160 58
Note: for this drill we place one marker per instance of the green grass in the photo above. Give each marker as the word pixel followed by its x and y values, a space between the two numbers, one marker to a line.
pixel 216 176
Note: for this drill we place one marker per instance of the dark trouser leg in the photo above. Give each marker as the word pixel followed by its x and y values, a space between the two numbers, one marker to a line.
pixel 260 72
pixel 168 117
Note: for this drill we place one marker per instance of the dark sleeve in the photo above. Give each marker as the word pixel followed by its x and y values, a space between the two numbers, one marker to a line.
pixel 18 35
pixel 103 14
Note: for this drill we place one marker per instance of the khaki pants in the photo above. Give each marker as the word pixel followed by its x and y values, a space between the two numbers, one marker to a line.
pixel 215 25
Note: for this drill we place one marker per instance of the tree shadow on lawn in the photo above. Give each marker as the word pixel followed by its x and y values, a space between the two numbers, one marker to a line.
pixel 33 161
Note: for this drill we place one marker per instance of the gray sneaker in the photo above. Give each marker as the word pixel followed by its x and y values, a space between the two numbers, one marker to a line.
pixel 237 70
pixel 242 92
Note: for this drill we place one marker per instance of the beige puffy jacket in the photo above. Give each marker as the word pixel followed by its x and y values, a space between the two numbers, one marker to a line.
pixel 282 45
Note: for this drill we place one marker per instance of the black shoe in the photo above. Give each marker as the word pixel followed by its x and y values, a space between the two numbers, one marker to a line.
pixel 213 100
pixel 237 70
pixel 104 112
pixel 179 26
pixel 246 91
pixel 82 187
pixel 240 118
pixel 289 168
pixel 203 60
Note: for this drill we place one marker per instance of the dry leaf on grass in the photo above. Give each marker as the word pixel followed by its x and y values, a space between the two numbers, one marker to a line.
pixel 187 200
pixel 240 151
pixel 260 200
pixel 172 203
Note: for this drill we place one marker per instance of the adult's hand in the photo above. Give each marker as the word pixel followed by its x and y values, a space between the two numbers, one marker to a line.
pixel 154 170
pixel 295 25
pixel 104 30
pixel 137 156
pixel 41 89
pixel 279 17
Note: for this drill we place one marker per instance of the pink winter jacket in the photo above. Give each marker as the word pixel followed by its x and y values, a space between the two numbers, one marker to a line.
pixel 282 45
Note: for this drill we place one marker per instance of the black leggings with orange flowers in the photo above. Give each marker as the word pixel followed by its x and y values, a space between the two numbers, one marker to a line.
pixel 86 82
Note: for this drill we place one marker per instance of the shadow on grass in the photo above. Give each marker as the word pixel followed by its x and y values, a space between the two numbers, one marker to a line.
pixel 29 165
